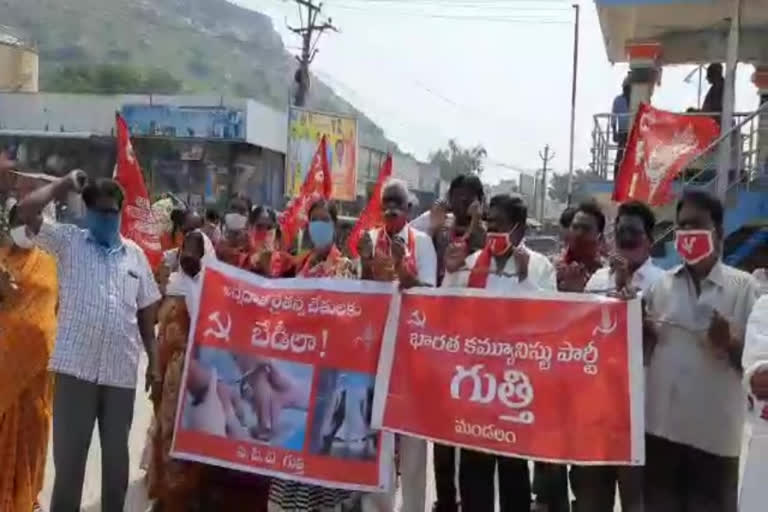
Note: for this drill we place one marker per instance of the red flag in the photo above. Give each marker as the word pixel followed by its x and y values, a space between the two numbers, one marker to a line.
pixel 371 216
pixel 660 146
pixel 317 184
pixel 137 222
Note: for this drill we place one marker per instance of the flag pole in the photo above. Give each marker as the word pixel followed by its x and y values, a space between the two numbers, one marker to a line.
pixel 573 100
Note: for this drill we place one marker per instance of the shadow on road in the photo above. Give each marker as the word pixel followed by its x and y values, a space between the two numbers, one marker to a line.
pixel 135 500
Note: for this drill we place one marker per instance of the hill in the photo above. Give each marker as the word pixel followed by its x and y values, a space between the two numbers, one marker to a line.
pixel 209 46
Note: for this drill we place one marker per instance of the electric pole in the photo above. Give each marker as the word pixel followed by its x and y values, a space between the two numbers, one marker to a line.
pixel 546 157
pixel 310 31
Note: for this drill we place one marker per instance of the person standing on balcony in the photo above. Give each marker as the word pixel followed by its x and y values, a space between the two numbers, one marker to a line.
pixel 620 122
pixel 694 331
pixel 713 101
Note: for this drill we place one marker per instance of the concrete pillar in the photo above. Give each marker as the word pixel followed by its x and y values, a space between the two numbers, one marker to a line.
pixel 760 79
pixel 644 72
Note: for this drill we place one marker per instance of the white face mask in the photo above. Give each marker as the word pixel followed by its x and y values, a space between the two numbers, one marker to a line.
pixel 235 221
pixel 20 238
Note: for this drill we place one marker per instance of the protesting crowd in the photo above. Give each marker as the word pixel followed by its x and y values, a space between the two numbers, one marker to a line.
pixel 79 306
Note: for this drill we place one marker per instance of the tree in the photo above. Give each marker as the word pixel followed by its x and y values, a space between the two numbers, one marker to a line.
pixel 558 186
pixel 161 81
pixel 112 79
pixel 456 160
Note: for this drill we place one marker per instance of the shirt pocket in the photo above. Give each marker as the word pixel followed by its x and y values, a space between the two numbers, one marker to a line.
pixel 131 289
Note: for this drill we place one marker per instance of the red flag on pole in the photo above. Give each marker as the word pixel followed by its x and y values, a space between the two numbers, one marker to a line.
pixel 660 145
pixel 317 184
pixel 371 216
pixel 137 222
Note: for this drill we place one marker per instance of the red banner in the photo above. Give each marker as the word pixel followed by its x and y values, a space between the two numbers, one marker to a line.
pixel 557 378
pixel 137 222
pixel 371 217
pixel 660 146
pixel 317 184
pixel 280 377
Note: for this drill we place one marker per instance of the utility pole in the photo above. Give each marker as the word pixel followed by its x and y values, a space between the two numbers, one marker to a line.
pixel 546 157
pixel 310 32
pixel 574 77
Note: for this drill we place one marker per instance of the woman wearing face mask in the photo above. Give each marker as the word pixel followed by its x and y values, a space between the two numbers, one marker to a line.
pixel 325 260
pixel 263 228
pixel 28 297
pixel 235 246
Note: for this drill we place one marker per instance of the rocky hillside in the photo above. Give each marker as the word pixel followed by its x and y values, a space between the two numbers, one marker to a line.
pixel 211 46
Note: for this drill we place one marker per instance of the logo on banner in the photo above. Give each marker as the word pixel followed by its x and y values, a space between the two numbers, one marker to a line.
pixel 220 330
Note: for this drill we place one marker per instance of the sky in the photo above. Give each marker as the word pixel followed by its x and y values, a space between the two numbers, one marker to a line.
pixel 491 72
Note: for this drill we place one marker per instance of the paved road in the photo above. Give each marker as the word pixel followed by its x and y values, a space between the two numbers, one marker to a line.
pixel 137 496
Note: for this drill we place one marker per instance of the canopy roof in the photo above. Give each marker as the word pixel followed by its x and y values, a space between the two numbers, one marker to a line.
pixel 690 31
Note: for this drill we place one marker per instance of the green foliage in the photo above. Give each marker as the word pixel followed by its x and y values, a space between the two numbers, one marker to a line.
pixel 112 79
pixel 456 160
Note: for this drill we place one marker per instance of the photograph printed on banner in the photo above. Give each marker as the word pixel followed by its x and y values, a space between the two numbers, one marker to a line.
pixel 341 425
pixel 247 398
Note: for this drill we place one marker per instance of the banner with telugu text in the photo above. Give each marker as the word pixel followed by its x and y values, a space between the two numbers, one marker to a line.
pixel 554 377
pixel 279 379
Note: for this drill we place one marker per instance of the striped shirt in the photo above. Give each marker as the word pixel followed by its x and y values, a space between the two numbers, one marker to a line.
pixel 100 293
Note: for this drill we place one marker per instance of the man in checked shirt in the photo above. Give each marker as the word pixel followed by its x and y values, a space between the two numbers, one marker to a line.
pixel 107 297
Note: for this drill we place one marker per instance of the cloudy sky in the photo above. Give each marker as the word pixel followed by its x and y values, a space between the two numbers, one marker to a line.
pixel 496 72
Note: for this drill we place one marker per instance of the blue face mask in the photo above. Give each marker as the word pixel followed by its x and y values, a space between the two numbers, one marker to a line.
pixel 104 227
pixel 321 232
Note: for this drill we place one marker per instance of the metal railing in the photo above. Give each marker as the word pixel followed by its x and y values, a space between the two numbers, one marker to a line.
pixel 743 141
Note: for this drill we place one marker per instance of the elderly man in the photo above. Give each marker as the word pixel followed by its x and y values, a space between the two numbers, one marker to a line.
pixel 106 311
pixel 694 396
pixel 397 252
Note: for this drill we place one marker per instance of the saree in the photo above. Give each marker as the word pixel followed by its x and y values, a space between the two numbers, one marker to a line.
pixel 27 336
pixel 290 496
pixel 182 486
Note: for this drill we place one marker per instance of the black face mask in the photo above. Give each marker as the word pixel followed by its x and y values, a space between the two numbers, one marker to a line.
pixel 190 265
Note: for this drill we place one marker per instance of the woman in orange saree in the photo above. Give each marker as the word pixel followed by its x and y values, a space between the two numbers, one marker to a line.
pixel 28 298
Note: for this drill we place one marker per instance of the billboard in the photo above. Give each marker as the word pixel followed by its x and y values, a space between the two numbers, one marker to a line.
pixel 305 129
pixel 185 122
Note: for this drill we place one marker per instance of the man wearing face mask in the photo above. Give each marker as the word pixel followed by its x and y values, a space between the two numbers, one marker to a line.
pixel 107 297
pixel 397 252
pixel 631 271
pixel 694 396
pixel 505 265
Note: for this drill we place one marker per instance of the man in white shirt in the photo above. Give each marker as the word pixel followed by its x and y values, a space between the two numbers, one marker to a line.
pixel 631 270
pixel 397 252
pixel 755 362
pixel 504 266
pixel 694 395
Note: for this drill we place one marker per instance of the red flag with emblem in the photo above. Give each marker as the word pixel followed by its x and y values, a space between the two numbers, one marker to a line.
pixel 317 184
pixel 371 216
pixel 661 144
pixel 137 221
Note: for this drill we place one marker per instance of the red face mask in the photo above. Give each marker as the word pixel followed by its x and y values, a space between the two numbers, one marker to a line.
pixel 694 245
pixel 498 243
pixel 395 224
